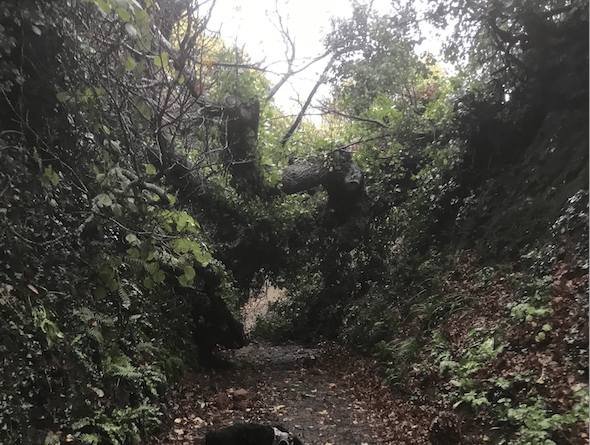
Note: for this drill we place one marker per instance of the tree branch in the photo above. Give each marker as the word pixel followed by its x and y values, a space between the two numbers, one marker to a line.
pixel 356 118
pixel 308 101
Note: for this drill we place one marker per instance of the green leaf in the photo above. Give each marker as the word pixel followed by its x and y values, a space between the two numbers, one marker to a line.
pixel 184 281
pixel 130 63
pixel 182 221
pixel 159 276
pixel 206 258
pixel 196 249
pixel 100 293
pixel 148 283
pixel 51 175
pixel 162 59
pixel 113 285
pixel 131 205
pixel 133 252
pixel 143 108
pixel 143 26
pixel 514 414
pixel 103 6
pixel 189 272
pixel 153 267
pixel 150 169
pixel 63 97
pixel 117 210
pixel 131 238
pixel 203 257
pixel 181 245
pixel 124 14
pixel 132 31
pixel 104 200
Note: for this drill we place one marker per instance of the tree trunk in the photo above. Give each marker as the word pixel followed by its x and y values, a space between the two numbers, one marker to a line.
pixel 300 177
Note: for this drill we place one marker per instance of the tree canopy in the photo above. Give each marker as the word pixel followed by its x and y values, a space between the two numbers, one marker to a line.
pixel 149 185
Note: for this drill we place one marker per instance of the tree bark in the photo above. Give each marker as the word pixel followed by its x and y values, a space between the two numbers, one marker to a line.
pixel 299 177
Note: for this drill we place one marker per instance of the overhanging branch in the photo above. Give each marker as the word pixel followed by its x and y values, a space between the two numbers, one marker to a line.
pixel 357 118
pixel 308 101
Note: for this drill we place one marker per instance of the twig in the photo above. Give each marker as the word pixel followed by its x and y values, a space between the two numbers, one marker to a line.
pixel 308 101
pixel 357 118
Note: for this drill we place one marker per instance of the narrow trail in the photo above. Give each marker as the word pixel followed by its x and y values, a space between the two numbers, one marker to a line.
pixel 325 395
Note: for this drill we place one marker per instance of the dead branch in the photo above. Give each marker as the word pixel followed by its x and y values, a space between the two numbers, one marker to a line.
pixel 356 118
pixel 308 101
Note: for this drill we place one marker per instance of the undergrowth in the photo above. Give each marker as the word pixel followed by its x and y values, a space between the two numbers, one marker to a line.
pixel 409 337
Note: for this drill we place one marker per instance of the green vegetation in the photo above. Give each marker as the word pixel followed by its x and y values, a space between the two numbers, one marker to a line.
pixel 513 400
pixel 443 228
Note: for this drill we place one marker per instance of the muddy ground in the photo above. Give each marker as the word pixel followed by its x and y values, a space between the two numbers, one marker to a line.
pixel 325 395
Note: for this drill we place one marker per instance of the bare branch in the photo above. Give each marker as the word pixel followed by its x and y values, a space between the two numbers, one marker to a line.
pixel 356 118
pixel 308 101
pixel 246 66
pixel 289 53
pixel 289 56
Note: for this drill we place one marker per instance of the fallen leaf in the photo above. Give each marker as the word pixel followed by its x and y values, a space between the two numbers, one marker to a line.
pixel 241 392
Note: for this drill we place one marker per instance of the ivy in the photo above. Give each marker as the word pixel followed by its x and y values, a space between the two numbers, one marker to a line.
pixel 43 322
pixel 481 349
pixel 52 176
pixel 537 424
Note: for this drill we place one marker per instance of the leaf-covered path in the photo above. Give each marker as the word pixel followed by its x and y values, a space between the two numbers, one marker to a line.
pixel 325 395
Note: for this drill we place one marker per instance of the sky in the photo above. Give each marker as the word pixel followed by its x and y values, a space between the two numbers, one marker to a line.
pixel 252 25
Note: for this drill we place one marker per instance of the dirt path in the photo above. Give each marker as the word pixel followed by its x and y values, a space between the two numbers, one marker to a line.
pixel 325 395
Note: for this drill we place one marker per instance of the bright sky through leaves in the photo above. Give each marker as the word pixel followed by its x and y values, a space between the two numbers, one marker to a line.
pixel 253 26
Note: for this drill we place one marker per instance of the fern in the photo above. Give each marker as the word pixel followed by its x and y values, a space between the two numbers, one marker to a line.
pixel 137 265
pixel 153 377
pixel 88 316
pixel 95 324
pixel 120 366
pixel 124 296
pixel 148 348
pixel 88 364
pixel 90 439
pixel 119 427
pixel 397 357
